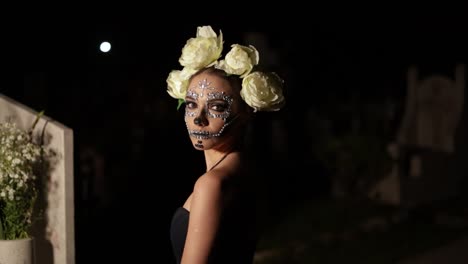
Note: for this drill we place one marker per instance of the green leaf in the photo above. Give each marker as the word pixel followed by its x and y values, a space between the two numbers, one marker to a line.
pixel 181 101
pixel 38 117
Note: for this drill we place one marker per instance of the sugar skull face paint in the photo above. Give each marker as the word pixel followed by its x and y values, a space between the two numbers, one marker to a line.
pixel 208 109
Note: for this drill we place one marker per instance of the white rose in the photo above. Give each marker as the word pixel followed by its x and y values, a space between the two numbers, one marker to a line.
pixel 177 82
pixel 203 50
pixel 263 91
pixel 239 60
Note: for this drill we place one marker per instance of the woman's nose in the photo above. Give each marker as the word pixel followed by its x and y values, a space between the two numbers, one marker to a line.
pixel 201 120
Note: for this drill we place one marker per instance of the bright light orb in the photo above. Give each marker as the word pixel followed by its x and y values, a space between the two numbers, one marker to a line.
pixel 105 46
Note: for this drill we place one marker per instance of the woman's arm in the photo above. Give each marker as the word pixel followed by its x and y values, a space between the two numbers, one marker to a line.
pixel 205 213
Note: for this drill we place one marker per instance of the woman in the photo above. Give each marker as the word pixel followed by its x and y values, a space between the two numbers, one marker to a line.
pixel 217 222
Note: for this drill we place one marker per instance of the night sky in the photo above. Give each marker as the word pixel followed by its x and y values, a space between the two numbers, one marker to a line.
pixel 340 52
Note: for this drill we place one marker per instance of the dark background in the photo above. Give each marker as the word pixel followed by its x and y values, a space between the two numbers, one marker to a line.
pixel 134 163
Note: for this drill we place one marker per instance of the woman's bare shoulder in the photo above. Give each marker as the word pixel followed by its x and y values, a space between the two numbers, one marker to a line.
pixel 215 182
pixel 209 181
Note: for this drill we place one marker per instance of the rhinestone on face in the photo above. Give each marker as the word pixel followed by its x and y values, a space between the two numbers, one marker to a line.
pixel 206 85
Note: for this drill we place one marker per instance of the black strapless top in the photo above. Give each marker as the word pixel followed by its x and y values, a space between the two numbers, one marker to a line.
pixel 235 243
pixel 179 226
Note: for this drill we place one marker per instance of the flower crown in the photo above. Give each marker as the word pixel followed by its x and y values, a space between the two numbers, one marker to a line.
pixel 263 91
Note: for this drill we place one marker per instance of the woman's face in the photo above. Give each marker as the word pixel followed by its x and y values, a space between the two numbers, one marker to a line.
pixel 211 106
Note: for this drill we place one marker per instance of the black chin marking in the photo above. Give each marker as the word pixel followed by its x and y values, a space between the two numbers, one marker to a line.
pixel 199 144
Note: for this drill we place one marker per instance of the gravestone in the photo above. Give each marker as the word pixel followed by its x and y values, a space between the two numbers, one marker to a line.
pixel 426 153
pixel 433 110
pixel 55 234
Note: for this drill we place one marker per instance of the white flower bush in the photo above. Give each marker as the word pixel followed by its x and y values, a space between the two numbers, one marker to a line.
pixel 260 90
pixel 18 182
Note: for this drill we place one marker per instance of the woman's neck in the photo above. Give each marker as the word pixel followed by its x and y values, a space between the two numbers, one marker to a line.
pixel 215 158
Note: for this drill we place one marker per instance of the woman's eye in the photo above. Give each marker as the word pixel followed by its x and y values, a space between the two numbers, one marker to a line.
pixel 191 105
pixel 218 107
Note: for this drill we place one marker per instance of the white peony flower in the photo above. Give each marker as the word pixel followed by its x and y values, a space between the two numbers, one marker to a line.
pixel 203 50
pixel 263 91
pixel 240 60
pixel 260 90
pixel 177 82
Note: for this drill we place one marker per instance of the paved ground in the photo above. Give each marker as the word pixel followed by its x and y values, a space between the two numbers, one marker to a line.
pixel 455 252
